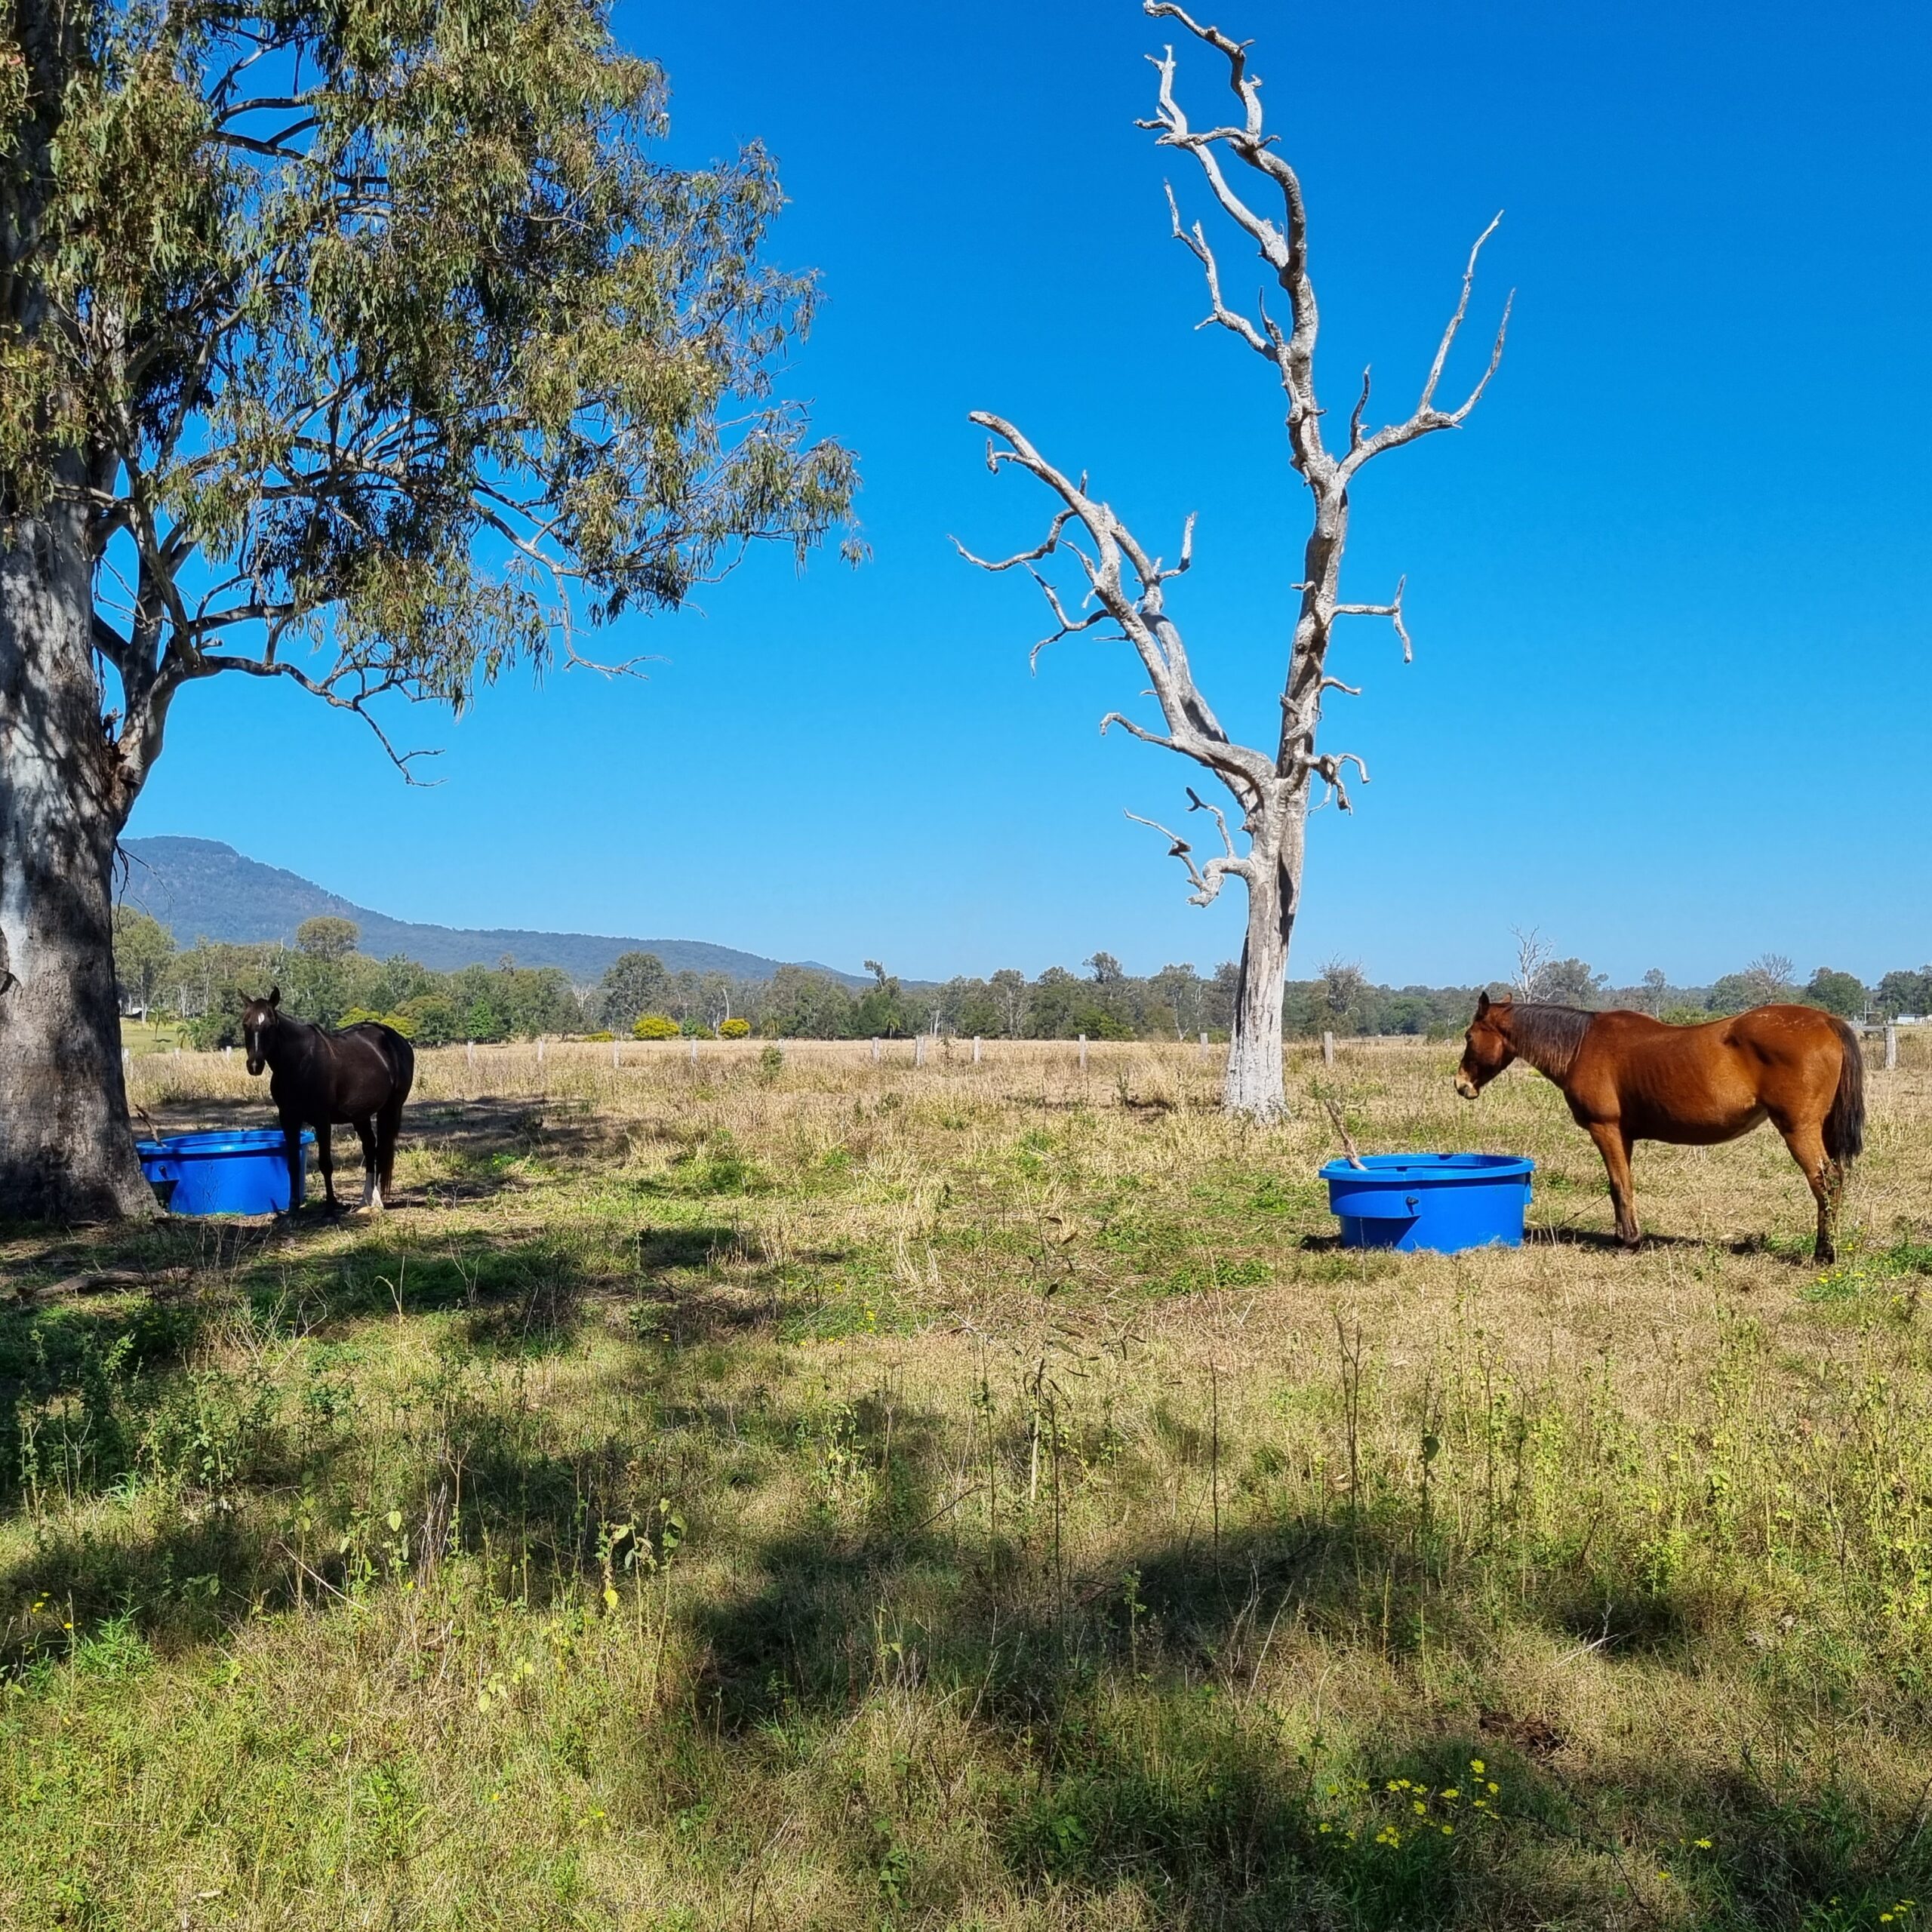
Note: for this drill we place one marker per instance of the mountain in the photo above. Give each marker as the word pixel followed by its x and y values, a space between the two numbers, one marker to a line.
pixel 199 888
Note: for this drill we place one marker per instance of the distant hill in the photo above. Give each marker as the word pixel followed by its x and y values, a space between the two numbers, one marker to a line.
pixel 200 888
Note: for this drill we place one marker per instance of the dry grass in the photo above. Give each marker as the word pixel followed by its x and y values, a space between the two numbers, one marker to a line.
pixel 968 1496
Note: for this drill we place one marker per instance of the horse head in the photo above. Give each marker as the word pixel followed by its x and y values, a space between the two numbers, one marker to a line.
pixel 1486 1047
pixel 260 1018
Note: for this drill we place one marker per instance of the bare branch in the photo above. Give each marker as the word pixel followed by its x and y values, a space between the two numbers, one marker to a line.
pixel 1196 803
pixel 1456 322
pixel 1139 731
pixel 1194 241
pixel 1427 417
pixel 1355 415
pixel 1068 626
pixel 1206 880
pixel 1139 610
pixel 1392 610
pixel 1328 767
pixel 1045 548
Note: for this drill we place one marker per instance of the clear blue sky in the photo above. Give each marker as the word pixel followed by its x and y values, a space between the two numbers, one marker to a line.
pixel 1672 697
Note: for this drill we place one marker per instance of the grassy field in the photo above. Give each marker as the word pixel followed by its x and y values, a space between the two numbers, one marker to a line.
pixel 788 1492
pixel 142 1036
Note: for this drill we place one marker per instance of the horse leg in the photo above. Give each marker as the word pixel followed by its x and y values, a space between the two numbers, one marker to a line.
pixel 325 1160
pixel 1614 1144
pixel 372 1194
pixel 1825 1178
pixel 291 1142
pixel 389 1124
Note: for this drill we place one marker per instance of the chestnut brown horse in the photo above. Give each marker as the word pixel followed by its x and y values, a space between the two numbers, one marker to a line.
pixel 1628 1077
pixel 358 1078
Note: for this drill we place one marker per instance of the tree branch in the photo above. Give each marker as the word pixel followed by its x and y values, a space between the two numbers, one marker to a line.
pixel 1206 879
pixel 209 664
pixel 1140 610
pixel 1328 767
pixel 1426 417
pixel 1392 610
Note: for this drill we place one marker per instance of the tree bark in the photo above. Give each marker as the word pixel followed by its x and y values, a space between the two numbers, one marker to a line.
pixel 1253 1084
pixel 66 1144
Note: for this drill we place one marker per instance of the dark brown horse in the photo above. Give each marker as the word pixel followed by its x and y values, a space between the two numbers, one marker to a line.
pixel 1628 1077
pixel 359 1078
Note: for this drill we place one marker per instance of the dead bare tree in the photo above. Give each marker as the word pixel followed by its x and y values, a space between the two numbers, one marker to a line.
pixel 1534 958
pixel 1125 585
pixel 1768 977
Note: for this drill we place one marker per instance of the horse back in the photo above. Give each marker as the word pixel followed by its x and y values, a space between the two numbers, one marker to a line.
pixel 394 1055
pixel 1713 1081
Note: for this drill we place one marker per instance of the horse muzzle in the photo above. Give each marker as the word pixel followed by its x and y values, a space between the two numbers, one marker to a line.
pixel 1466 1087
pixel 255 1066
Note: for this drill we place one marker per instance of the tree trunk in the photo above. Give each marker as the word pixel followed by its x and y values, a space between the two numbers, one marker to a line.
pixel 1252 1085
pixel 66 1147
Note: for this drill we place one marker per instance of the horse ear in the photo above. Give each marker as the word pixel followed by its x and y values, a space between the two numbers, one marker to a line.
pixel 1482 1003
pixel 275 995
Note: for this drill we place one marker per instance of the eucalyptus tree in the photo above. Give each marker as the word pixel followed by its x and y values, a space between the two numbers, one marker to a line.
pixel 1122 581
pixel 365 345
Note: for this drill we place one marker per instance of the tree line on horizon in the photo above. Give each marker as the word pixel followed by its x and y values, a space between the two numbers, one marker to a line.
pixel 324 977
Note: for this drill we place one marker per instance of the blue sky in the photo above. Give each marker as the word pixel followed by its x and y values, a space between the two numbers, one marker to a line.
pixel 1672 690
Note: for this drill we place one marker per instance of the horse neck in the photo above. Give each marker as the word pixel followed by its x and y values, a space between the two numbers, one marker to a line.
pixel 290 1043
pixel 1547 1038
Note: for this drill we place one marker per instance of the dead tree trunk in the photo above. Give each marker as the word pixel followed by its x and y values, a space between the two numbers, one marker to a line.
pixel 1125 585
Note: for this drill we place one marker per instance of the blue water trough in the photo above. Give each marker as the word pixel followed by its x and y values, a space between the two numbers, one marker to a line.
pixel 1445 1202
pixel 244 1172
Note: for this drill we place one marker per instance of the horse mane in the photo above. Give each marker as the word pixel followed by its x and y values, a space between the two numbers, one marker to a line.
pixel 1547 1035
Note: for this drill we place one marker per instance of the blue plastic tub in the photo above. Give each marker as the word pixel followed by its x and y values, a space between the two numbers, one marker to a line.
pixel 231 1173
pixel 1446 1202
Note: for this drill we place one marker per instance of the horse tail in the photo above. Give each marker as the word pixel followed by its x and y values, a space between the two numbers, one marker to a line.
pixel 1844 1125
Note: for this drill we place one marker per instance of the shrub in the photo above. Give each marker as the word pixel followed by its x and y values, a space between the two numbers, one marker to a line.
pixel 432 1021
pixel 600 1038
pixel 402 1023
pixel 653 1026
pixel 735 1029
pixel 771 1064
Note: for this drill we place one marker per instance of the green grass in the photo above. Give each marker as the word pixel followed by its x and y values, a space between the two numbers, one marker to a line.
pixel 834 1499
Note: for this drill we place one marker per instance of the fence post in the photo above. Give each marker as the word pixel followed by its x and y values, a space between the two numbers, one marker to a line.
pixel 540 1050
pixel 1204 1046
pixel 1891 1048
pixel 127 1061
pixel 469 1051
pixel 874 1053
pixel 693 1050
pixel 617 1048
pixel 976 1049
pixel 1083 1052
pixel 918 1049
pixel 1327 1050
pixel 228 1053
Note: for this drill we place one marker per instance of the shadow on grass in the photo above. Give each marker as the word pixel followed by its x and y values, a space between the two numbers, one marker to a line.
pixel 1130 1744
pixel 94 1385
pixel 1133 1745
pixel 484 1141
